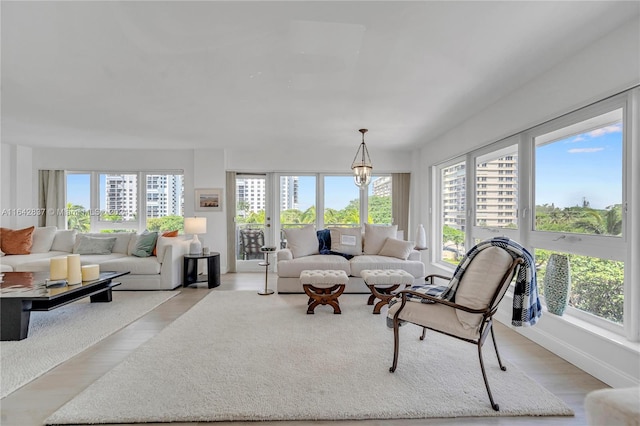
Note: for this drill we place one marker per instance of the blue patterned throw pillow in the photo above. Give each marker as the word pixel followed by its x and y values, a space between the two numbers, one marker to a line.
pixel 324 241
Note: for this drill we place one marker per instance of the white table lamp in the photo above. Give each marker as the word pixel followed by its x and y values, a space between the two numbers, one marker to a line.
pixel 195 226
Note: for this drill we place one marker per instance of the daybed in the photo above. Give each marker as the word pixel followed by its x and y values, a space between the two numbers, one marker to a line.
pixel 113 252
pixel 344 249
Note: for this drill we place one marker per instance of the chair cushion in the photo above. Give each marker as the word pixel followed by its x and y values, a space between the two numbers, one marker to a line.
pixel 436 316
pixel 480 281
pixel 375 236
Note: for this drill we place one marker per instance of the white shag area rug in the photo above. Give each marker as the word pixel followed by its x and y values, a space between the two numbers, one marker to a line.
pixel 62 333
pixel 240 356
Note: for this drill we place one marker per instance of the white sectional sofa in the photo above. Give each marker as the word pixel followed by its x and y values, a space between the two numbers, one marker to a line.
pixel 156 272
pixel 351 251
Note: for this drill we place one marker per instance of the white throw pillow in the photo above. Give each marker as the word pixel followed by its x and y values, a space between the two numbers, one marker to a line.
pixel 43 239
pixel 375 236
pixel 302 241
pixel 396 248
pixel 346 240
pixel 64 240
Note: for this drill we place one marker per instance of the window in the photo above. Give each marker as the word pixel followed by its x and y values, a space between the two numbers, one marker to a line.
pixel 578 177
pixel 116 202
pixel 297 201
pixel 578 199
pixel 452 182
pixel 78 201
pixel 341 201
pixel 379 201
pixel 561 188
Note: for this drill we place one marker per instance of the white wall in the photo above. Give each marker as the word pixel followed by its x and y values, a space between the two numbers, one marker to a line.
pixel 605 68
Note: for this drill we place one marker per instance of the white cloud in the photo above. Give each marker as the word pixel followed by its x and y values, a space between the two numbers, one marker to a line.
pixel 584 150
pixel 616 128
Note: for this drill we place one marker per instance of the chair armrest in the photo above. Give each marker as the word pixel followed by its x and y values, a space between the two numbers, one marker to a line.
pixel 454 305
pixel 431 278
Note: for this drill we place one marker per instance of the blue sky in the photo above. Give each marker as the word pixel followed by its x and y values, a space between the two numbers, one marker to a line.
pixel 588 166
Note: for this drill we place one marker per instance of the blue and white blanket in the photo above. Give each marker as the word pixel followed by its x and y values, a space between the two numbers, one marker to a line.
pixel 526 303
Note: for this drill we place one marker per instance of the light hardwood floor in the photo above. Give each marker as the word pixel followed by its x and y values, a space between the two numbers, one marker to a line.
pixel 34 402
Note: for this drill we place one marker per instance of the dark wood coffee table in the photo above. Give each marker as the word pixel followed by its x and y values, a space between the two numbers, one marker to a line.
pixel 23 292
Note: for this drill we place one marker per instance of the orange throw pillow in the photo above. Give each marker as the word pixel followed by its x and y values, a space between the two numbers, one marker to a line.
pixel 165 234
pixel 17 241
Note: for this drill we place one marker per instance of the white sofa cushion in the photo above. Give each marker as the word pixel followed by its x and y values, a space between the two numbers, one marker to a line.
pixel 292 268
pixel 375 236
pixel 480 280
pixel 302 241
pixel 14 261
pixel 360 263
pixel 346 240
pixel 135 265
pixel 43 239
pixel 64 240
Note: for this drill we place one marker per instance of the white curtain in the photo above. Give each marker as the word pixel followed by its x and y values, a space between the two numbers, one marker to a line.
pixel 400 183
pixel 51 198
pixel 231 221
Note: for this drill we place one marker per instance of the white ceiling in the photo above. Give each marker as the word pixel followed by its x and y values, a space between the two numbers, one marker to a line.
pixel 212 74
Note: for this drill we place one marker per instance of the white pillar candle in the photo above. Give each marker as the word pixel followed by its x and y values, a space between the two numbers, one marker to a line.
pixel 90 272
pixel 74 271
pixel 58 268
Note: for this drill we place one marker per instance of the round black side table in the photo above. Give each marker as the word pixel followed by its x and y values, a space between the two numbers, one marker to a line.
pixel 190 270
pixel 266 250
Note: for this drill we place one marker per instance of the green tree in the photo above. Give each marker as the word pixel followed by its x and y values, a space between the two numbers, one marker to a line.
pixel 78 218
pixel 380 210
pixel 453 236
pixel 166 223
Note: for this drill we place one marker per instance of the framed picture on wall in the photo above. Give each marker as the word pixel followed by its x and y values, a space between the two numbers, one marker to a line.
pixel 209 200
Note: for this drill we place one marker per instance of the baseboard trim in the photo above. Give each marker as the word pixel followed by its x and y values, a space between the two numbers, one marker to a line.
pixel 614 363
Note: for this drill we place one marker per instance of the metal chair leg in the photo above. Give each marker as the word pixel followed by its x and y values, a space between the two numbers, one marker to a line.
pixel 495 406
pixel 424 333
pixel 396 344
pixel 495 345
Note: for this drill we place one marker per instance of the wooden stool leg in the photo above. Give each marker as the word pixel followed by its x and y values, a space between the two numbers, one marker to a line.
pixel 324 296
pixel 385 294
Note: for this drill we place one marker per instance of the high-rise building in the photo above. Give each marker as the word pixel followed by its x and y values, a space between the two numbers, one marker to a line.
pixel 496 193
pixel 164 195
pixel 121 195
pixel 381 186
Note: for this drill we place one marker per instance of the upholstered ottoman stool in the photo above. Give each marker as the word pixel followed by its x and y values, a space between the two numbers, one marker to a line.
pixel 383 282
pixel 613 407
pixel 323 288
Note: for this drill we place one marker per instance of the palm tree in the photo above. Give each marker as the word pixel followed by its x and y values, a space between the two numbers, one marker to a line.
pixel 78 218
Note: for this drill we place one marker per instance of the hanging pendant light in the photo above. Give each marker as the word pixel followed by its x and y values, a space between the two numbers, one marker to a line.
pixel 362 165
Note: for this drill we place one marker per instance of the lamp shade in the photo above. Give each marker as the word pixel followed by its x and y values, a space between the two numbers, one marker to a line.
pixel 195 225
